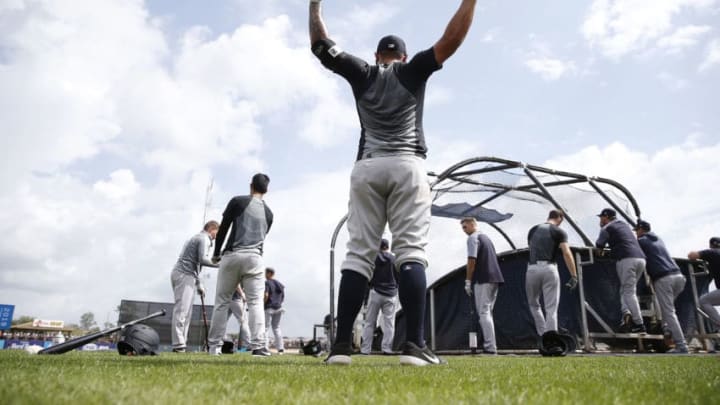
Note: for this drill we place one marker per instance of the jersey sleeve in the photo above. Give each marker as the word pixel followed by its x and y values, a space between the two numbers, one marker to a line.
pixel 350 67
pixel 418 70
pixel 472 246
pixel 559 235
pixel 602 239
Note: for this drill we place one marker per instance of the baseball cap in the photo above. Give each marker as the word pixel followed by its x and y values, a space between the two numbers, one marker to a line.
pixel 391 43
pixel 644 225
pixel 607 212
pixel 384 244
pixel 715 241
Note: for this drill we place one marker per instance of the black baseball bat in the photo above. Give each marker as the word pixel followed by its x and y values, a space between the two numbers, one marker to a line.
pixel 205 323
pixel 83 340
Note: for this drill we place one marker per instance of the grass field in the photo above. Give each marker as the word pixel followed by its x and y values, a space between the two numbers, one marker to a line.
pixel 99 378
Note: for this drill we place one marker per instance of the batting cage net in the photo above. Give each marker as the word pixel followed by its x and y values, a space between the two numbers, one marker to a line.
pixel 508 198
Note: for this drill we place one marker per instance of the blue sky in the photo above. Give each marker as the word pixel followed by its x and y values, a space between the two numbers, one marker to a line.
pixel 115 115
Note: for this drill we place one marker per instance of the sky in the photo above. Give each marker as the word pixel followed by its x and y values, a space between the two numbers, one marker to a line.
pixel 115 116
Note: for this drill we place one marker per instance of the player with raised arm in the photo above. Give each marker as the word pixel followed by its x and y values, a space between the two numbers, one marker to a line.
pixel 389 183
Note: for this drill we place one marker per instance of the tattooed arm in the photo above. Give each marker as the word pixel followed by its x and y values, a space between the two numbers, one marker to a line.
pixel 316 23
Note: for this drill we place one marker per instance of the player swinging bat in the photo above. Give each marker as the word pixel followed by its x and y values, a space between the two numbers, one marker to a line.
pixel 83 340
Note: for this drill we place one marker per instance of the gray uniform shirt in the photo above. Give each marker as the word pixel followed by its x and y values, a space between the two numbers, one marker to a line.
pixel 194 254
pixel 543 241
pixel 250 219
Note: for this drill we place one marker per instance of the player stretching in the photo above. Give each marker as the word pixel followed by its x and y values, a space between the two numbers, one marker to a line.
pixel 389 183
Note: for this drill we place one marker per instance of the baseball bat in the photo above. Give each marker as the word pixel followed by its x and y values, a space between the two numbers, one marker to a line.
pixel 83 340
pixel 205 323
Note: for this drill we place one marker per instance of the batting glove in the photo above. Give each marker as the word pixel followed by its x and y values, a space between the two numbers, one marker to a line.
pixel 572 283
pixel 201 290
pixel 468 288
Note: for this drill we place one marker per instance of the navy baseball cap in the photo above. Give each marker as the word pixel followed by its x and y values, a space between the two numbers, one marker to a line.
pixel 391 43
pixel 644 225
pixel 384 244
pixel 607 212
pixel 715 242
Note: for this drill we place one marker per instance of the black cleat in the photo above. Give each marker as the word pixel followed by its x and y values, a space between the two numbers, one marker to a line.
pixel 340 354
pixel 637 328
pixel 412 355
pixel 261 352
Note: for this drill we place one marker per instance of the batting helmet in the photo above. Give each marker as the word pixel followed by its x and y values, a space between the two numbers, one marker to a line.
pixel 553 344
pixel 227 347
pixel 138 340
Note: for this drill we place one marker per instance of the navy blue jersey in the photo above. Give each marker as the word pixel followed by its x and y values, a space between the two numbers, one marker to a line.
pixel 712 256
pixel 383 280
pixel 659 262
pixel 276 294
pixel 487 268
pixel 621 240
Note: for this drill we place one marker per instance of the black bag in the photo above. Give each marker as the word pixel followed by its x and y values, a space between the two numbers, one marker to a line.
pixel 312 348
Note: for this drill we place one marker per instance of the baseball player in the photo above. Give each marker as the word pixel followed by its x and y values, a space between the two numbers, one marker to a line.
pixel 382 298
pixel 709 301
pixel 238 307
pixel 389 182
pixel 542 277
pixel 483 270
pixel 274 297
pixel 630 265
pixel 185 281
pixel 667 280
pixel 242 262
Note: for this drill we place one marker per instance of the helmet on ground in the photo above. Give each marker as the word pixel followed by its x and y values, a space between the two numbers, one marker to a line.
pixel 553 344
pixel 227 347
pixel 138 340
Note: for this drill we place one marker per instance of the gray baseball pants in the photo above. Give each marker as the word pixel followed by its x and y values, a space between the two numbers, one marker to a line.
pixel 184 288
pixel 272 321
pixel 629 271
pixel 378 303
pixel 542 278
pixel 707 304
pixel 238 309
pixel 247 269
pixel 393 190
pixel 667 290
pixel 485 296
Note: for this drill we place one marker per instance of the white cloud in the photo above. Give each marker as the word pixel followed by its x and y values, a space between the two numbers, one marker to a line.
pixel 121 185
pixel 619 27
pixel 683 37
pixel 712 55
pixel 550 69
pixel 670 186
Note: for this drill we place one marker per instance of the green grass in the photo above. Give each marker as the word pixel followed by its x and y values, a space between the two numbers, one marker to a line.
pixel 99 378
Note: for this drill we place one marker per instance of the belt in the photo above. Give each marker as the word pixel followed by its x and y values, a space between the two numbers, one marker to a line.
pixel 544 262
pixel 672 273
pixel 369 155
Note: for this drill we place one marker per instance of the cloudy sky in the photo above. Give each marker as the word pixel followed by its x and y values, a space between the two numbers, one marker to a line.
pixel 115 115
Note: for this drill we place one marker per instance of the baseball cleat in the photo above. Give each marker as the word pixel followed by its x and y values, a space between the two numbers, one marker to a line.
pixel 340 354
pixel 412 355
pixel 261 352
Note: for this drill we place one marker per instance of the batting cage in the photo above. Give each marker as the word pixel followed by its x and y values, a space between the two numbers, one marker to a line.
pixel 507 198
